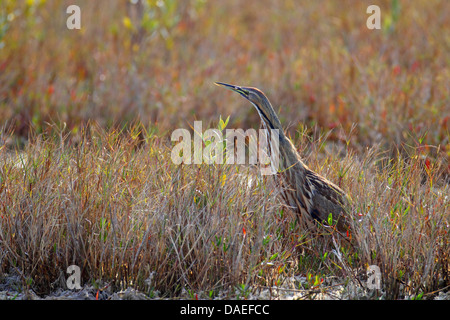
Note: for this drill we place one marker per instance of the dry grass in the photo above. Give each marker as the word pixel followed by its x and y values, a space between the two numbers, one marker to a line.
pixel 85 170
pixel 123 211
pixel 115 204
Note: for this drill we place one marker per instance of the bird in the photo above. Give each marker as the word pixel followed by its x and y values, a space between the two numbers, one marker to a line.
pixel 311 196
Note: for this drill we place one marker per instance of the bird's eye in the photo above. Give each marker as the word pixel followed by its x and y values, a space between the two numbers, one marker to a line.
pixel 243 92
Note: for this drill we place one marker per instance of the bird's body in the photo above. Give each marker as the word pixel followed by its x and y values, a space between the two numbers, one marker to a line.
pixel 306 192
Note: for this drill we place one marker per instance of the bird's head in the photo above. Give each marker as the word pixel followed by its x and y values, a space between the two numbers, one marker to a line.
pixel 259 101
pixel 253 95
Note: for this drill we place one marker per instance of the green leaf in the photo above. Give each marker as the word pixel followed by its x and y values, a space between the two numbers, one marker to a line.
pixel 223 124
pixel 226 121
pixel 330 219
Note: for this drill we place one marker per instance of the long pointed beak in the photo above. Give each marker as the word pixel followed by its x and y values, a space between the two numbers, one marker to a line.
pixel 226 85
pixel 234 88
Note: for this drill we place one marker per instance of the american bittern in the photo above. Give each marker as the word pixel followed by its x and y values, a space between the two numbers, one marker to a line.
pixel 306 192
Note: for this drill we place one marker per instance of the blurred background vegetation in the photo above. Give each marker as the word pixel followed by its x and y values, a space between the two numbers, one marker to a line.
pixel 123 212
pixel 156 62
